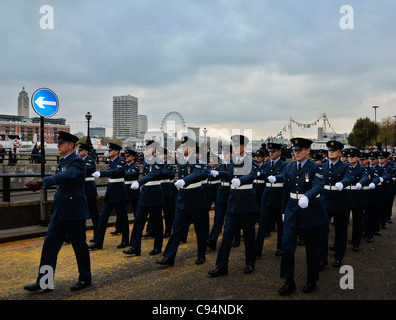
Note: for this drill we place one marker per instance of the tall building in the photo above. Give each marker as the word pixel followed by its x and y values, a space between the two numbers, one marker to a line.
pixel 143 125
pixel 97 132
pixel 125 117
pixel 23 104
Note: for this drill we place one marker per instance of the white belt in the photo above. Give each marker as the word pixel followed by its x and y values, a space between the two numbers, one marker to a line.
pixel 165 181
pixel 90 179
pixel 366 188
pixel 259 181
pixel 115 180
pixel 353 188
pixel 394 179
pixel 204 181
pixel 379 184
pixel 225 184
pixel 152 183
pixel 329 187
pixel 193 185
pixel 130 181
pixel 214 182
pixel 275 185
pixel 299 196
pixel 244 187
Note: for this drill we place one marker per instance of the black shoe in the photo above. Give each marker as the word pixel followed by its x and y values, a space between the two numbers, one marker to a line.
pixel 278 252
pixel 122 245
pixel 34 287
pixel 166 262
pixel 236 243
pixel 322 265
pixel 115 232
pixel 377 233
pixel 166 234
pixel 389 221
pixel 258 255
pixel 267 234
pixel 132 250
pixel 211 245
pixel 80 285
pixel 219 271
pixel 370 240
pixel 200 261
pixel 154 252
pixel 355 248
pixel 92 240
pixel 301 242
pixel 309 287
pixel 95 246
pixel 384 227
pixel 337 263
pixel 288 287
pixel 147 235
pixel 248 269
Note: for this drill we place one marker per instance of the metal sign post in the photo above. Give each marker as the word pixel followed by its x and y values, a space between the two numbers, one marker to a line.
pixel 45 104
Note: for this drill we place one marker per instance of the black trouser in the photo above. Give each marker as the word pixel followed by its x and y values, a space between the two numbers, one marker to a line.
pixel 357 220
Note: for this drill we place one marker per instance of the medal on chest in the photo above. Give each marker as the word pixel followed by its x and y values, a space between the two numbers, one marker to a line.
pixel 306 177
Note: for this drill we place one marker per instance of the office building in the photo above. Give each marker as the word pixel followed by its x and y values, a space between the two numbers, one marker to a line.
pixel 125 117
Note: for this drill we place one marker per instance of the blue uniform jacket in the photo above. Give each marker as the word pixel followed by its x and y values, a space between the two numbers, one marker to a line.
pixel 168 173
pixel 192 172
pixel 70 202
pixel 116 191
pixel 132 173
pixel 151 195
pixel 243 201
pixel 371 194
pixel 224 190
pixel 272 196
pixel 308 181
pixel 90 185
pixel 333 199
pixel 360 175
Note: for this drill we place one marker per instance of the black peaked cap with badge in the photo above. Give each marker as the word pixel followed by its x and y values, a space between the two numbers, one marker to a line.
pixel 62 136
pixel 130 152
pixel 383 154
pixel 84 146
pixel 353 152
pixel 300 143
pixel 114 146
pixel 238 139
pixel 333 145
pixel 274 146
pixel 188 142
pixel 373 155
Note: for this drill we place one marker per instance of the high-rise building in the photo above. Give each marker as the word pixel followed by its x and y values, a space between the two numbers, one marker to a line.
pixel 23 104
pixel 125 117
pixel 143 125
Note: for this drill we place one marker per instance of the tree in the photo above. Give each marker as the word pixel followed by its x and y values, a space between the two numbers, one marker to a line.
pixel 363 134
pixel 387 132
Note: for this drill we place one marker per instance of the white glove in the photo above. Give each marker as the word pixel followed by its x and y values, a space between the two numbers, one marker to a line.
pixel 258 173
pixel 372 185
pixel 271 179
pixel 214 173
pixel 135 185
pixel 381 179
pixel 180 183
pixel 358 186
pixel 235 182
pixel 339 186
pixel 96 174
pixel 303 202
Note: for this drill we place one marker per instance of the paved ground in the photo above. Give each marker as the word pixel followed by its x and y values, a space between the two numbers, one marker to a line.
pixel 120 277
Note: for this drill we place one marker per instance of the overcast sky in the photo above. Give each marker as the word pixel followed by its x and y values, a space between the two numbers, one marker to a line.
pixel 235 64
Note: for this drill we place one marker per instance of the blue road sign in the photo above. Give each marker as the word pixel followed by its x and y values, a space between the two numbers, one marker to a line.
pixel 45 102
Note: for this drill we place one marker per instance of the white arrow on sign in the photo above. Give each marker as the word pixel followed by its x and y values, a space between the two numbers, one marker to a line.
pixel 40 102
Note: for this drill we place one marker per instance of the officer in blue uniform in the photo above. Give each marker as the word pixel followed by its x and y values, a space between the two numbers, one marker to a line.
pixel 90 185
pixel 168 189
pixel 132 173
pixel 304 214
pixel 69 212
pixel 151 201
pixel 191 205
pixel 242 208
pixel 115 197
pixel 271 201
pixel 358 196
pixel 338 202
pixel 220 172
pixel 259 182
pixel 387 183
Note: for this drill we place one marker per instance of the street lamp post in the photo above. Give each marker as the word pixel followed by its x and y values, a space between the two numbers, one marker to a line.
pixel 88 116
pixel 375 121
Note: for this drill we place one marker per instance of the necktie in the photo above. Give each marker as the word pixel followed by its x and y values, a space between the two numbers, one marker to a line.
pixel 299 166
pixel 331 166
pixel 272 164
